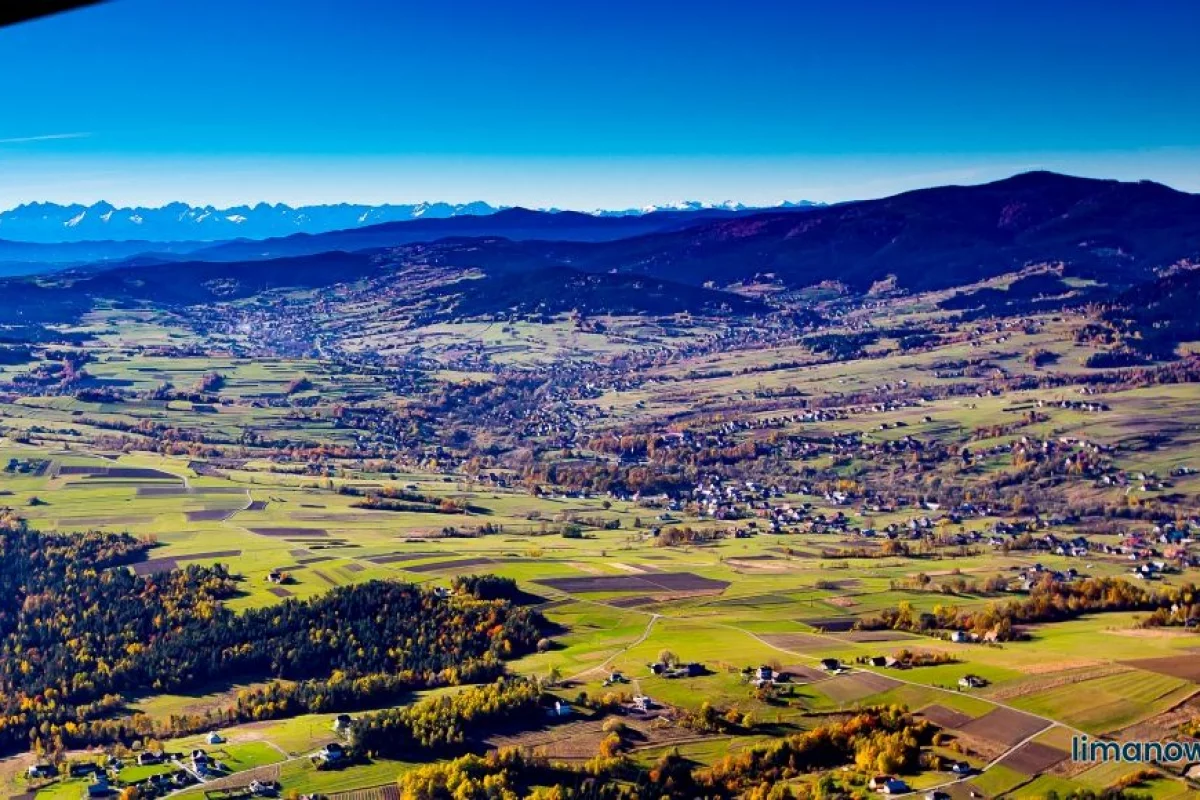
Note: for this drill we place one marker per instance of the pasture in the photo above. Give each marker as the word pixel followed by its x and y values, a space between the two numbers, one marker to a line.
pixel 273 478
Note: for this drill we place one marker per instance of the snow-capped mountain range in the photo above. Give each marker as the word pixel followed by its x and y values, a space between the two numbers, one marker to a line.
pixel 696 205
pixel 177 222
pixel 180 222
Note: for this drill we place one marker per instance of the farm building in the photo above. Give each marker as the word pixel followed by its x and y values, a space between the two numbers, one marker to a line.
pixel 332 752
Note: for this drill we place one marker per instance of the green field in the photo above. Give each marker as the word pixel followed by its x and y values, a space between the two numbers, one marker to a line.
pixel 268 480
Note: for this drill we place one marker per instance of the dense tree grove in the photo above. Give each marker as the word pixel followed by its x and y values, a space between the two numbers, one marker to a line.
pixel 76 629
pixel 511 774
pixel 877 739
pixel 440 723
pixel 392 499
pixel 486 587
pixel 1049 601
pixel 883 740
pixel 276 700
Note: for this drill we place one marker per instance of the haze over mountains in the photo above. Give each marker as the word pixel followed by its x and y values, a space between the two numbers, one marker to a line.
pixel 178 222
pixel 514 224
pixel 53 223
pixel 1111 231
pixel 1098 239
pixel 511 224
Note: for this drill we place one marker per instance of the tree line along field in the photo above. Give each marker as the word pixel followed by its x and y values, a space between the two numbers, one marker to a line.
pixel 857 514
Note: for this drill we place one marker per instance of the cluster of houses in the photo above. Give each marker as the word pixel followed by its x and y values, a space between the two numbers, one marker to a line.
pixel 1073 405
pixel 717 499
pixel 1075 547
pixel 1002 528
pixel 765 676
pixel 1067 455
pixel 836 523
pixel 104 781
pixel 184 770
pixel 739 500
pixel 915 528
pixel 1174 554
pixel 1175 533
pixel 1030 577
pixel 1151 570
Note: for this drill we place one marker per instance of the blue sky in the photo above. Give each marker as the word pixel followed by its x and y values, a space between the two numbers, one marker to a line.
pixel 589 104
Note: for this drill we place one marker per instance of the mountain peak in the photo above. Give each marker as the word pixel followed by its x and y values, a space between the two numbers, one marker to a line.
pixel 179 221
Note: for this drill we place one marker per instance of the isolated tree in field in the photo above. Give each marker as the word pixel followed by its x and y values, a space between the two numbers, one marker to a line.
pixel 610 746
pixel 667 657
pixel 614 725
pixel 210 382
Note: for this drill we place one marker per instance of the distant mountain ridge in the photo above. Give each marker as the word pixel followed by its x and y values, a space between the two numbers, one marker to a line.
pixel 696 205
pixel 180 222
pixel 516 224
pixel 1102 238
pixel 51 223
pixel 1114 232
pixel 510 224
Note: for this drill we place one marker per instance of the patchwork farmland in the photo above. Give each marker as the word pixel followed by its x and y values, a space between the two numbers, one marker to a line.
pixel 352 540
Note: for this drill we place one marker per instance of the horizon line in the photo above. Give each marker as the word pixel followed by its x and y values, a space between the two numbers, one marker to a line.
pixel 670 205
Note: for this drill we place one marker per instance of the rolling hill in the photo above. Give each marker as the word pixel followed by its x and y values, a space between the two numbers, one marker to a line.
pixel 557 290
pixel 1110 231
pixel 1118 235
